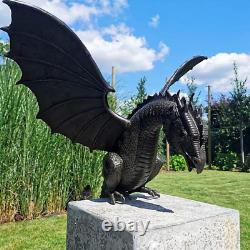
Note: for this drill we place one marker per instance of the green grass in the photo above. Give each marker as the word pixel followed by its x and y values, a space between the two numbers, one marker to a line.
pixel 226 189
pixel 46 233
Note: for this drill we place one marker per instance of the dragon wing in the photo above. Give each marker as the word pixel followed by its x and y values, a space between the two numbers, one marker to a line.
pixel 59 70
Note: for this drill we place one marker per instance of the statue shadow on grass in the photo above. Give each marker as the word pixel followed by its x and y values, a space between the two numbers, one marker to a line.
pixel 136 201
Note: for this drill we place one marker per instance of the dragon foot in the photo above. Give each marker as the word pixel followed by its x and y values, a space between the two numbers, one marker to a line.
pixel 120 197
pixel 116 196
pixel 149 191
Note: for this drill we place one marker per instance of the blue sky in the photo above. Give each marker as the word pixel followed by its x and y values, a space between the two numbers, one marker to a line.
pixel 152 38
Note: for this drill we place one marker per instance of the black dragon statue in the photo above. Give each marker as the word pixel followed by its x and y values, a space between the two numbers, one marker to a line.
pixel 72 98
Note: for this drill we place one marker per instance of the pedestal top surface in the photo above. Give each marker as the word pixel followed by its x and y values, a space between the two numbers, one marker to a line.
pixel 165 211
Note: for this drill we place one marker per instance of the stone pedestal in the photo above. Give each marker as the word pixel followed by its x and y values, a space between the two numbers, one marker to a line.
pixel 143 223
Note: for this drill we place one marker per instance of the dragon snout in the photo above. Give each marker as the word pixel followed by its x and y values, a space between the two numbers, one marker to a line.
pixel 195 162
pixel 198 164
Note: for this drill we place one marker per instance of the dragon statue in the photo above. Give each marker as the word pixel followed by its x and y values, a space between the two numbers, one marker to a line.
pixel 72 98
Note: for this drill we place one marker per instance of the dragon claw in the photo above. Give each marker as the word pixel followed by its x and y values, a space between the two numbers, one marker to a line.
pixel 149 191
pixel 112 199
pixel 116 196
pixel 128 196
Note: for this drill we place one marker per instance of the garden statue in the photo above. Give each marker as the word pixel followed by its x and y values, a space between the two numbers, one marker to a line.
pixel 72 98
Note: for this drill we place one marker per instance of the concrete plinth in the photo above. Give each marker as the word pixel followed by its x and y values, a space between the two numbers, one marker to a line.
pixel 165 223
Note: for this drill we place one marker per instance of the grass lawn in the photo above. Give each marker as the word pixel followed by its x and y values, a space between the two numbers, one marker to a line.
pixel 45 233
pixel 227 189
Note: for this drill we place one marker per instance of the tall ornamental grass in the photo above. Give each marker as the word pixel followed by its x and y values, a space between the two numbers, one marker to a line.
pixel 39 172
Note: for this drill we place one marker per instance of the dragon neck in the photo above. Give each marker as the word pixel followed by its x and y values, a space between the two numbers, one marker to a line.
pixel 155 114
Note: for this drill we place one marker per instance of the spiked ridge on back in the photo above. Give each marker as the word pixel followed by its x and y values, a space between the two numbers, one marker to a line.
pixel 147 100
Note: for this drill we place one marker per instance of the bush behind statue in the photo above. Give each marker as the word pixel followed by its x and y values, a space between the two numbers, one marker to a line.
pixel 227 161
pixel 178 163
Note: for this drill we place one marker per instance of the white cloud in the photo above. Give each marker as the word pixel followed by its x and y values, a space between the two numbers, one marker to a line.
pixel 164 50
pixel 117 46
pixel 72 11
pixel 182 94
pixel 67 13
pixel 115 6
pixel 217 71
pixel 112 45
pixel 112 7
pixel 4 14
pixel 154 21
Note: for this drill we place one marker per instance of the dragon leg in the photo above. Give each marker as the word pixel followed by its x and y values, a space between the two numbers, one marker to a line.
pixel 112 170
pixel 155 171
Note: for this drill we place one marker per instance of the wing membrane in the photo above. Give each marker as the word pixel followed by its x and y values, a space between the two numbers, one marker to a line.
pixel 60 71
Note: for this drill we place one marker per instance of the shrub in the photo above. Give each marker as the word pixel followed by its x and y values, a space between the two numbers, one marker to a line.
pixel 178 163
pixel 212 167
pixel 226 161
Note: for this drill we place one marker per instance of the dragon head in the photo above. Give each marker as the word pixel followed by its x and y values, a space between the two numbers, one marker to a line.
pixel 187 135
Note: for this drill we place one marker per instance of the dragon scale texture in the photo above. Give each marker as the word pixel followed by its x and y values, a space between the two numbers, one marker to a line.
pixel 138 146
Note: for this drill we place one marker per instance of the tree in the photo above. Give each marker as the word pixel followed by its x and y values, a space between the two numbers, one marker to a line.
pixel 240 106
pixel 129 105
pixel 233 112
pixel 141 91
pixel 192 91
pixel 224 136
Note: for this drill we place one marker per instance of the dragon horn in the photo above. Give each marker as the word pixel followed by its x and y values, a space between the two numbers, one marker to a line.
pixel 181 71
pixel 191 98
pixel 185 104
pixel 177 99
